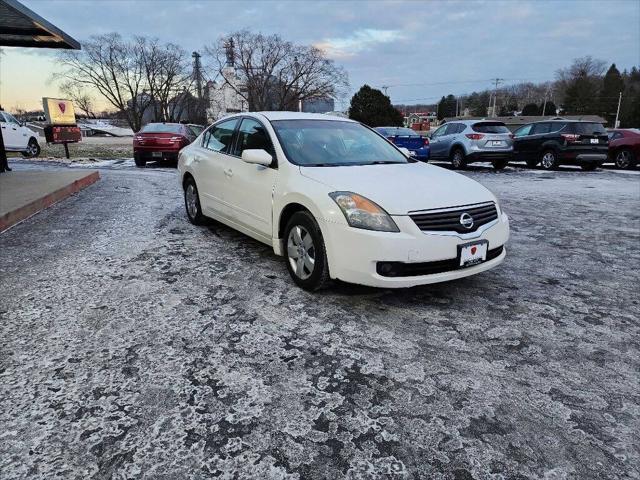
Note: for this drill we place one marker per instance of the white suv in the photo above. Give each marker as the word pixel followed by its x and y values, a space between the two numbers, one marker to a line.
pixel 339 201
pixel 17 137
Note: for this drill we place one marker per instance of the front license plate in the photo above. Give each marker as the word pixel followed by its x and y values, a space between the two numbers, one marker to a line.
pixel 156 154
pixel 473 253
pixel 595 140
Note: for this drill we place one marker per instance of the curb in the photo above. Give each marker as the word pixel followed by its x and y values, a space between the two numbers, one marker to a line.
pixel 16 216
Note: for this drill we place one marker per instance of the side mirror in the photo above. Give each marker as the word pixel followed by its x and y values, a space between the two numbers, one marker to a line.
pixel 257 156
pixel 405 151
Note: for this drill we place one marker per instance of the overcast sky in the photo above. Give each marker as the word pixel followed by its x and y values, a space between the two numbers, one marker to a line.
pixel 421 49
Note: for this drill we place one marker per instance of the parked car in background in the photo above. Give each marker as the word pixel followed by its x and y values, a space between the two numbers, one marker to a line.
pixel 338 201
pixel 624 147
pixel 17 136
pixel 161 141
pixel 561 142
pixel 417 145
pixel 468 141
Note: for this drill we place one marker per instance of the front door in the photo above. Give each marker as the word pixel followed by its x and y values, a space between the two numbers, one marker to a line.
pixel 11 132
pixel 438 142
pixel 211 160
pixel 249 190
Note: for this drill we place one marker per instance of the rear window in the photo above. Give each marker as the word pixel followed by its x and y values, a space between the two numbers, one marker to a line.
pixel 588 128
pixel 490 127
pixel 403 132
pixel 162 128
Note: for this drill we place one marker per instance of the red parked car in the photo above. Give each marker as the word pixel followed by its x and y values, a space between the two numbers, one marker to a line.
pixel 624 147
pixel 162 141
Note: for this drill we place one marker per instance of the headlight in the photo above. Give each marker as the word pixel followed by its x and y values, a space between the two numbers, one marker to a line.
pixel 361 212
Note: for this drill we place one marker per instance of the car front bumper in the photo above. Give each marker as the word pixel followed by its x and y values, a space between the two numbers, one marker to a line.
pixel 354 254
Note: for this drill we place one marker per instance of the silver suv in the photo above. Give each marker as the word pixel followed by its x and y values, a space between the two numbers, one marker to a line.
pixel 466 141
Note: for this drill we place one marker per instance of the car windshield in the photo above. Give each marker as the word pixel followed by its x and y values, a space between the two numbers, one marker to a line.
pixel 586 128
pixel 329 143
pixel 490 127
pixel 162 128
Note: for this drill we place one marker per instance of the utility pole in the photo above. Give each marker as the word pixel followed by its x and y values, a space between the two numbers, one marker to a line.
pixel 544 105
pixel 197 74
pixel 615 125
pixel 495 94
pixel 385 87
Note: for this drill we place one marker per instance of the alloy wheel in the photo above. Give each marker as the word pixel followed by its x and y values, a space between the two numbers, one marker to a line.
pixel 33 149
pixel 191 197
pixel 457 159
pixel 548 160
pixel 301 252
pixel 623 159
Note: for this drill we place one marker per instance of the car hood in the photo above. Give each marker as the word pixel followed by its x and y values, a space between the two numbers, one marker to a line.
pixel 402 188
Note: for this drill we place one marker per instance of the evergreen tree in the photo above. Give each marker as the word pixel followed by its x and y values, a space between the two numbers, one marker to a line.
pixel 550 109
pixel 447 107
pixel 612 85
pixel 530 109
pixel 372 107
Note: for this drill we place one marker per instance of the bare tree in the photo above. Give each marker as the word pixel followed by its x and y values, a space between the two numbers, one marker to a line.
pixel 275 74
pixel 80 98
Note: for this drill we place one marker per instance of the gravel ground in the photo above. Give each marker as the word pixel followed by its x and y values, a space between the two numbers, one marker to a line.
pixel 135 345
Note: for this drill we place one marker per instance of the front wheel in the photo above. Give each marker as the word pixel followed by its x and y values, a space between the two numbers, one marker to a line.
pixel 192 202
pixel 624 159
pixel 306 255
pixel 549 160
pixel 458 160
pixel 33 149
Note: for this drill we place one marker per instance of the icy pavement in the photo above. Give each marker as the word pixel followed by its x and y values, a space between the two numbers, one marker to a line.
pixel 135 345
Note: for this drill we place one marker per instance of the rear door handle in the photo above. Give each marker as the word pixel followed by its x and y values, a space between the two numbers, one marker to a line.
pixel 228 172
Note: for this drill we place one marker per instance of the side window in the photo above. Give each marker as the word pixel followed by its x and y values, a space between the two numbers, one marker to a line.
pixel 556 126
pixel 439 132
pixel 2 117
pixel 461 128
pixel 523 131
pixel 11 119
pixel 252 136
pixel 451 128
pixel 218 137
pixel 541 128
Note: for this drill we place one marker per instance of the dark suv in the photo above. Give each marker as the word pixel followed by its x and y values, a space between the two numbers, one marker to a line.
pixel 561 142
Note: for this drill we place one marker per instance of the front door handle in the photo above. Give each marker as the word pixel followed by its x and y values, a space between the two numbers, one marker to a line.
pixel 228 172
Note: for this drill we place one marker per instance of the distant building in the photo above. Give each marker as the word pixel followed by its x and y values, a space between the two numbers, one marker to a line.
pixel 318 105
pixel 420 120
pixel 224 96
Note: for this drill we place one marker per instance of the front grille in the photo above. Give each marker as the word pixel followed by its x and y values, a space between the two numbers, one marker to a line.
pixel 401 269
pixel 449 220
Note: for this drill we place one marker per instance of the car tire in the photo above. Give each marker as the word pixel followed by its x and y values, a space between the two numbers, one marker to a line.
pixel 500 164
pixel 624 159
pixel 140 161
pixel 305 253
pixel 192 202
pixel 458 160
pixel 532 163
pixel 589 167
pixel 33 149
pixel 549 160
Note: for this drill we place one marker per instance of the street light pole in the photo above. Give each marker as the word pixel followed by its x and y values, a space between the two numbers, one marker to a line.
pixel 615 125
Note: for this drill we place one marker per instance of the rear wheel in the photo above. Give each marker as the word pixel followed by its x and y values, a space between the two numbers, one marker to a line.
pixel 306 255
pixel 549 160
pixel 624 159
pixel 192 202
pixel 33 149
pixel 458 160
pixel 500 164
pixel 140 161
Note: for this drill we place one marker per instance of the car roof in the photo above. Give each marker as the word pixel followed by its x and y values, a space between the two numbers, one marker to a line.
pixel 473 122
pixel 272 116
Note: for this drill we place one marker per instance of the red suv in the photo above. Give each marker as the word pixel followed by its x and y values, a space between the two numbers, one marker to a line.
pixel 624 147
pixel 162 141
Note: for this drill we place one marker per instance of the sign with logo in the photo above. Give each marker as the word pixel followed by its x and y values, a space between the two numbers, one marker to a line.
pixel 58 111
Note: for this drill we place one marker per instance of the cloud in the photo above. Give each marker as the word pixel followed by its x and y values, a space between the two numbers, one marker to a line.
pixel 360 40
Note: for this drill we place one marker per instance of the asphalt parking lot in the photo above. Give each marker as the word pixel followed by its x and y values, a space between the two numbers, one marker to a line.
pixel 135 345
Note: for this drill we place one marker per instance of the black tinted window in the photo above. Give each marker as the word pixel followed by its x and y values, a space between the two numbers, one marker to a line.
pixel 252 136
pixel 587 128
pixel 490 127
pixel 522 131
pixel 218 138
pixel 540 128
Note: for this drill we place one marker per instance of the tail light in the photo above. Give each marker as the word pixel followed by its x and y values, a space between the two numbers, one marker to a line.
pixel 426 141
pixel 474 136
pixel 175 139
pixel 570 137
pixel 137 138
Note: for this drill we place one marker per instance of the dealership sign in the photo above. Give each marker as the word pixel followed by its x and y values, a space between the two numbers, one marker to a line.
pixel 58 111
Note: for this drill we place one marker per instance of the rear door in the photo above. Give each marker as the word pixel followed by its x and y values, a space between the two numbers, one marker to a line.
pixel 249 187
pixel 211 159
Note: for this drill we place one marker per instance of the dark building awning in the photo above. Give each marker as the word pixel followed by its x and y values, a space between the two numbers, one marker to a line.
pixel 20 27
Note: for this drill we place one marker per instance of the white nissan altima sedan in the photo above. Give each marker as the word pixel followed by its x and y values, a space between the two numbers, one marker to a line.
pixel 339 201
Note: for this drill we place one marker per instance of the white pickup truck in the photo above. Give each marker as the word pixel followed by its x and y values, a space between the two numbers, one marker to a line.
pixel 17 137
